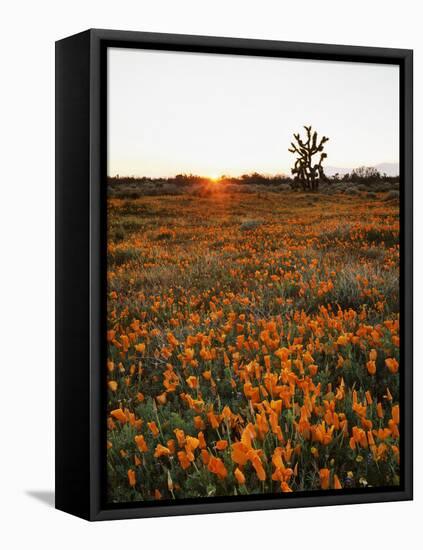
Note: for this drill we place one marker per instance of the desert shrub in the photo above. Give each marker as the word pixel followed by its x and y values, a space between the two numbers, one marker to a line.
pixel 117 233
pixel 379 235
pixel 122 256
pixel 164 235
pixel 381 187
pixel 250 225
pixel 312 201
pixel 130 207
pixel 132 223
pixel 339 233
pixel 128 193
pixel 392 195
pixel 171 189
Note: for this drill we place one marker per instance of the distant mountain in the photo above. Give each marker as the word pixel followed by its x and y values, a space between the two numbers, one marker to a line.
pixel 389 168
pixel 332 170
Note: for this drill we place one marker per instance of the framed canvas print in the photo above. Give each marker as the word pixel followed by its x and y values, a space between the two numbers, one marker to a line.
pixel 233 274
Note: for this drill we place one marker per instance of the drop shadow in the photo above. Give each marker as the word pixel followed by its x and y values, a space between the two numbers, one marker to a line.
pixel 46 497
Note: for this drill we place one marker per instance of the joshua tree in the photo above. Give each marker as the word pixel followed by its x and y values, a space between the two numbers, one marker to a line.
pixel 308 175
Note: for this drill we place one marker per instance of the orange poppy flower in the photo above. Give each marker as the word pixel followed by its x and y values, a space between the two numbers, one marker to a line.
pixel 372 355
pixel 192 382
pixel 392 365
pixel 324 474
pixel 153 428
pixel 239 453
pixel 396 414
pixel 191 443
pixel 277 458
pixel 239 476
pixel 184 460
pixel 213 419
pixel 257 464
pixel 205 456
pixel 285 487
pixel 248 434
pixel 161 450
pixel 226 412
pixel 382 433
pixel 198 423
pixel 132 477
pixel 371 367
pixel 313 370
pixel 359 436
pixel 119 415
pixel 180 436
pixel 216 466
pixel 267 362
pixel 113 385
pixel 381 451
pixel 141 444
pixel 161 398
pixel 140 348
pixel 342 340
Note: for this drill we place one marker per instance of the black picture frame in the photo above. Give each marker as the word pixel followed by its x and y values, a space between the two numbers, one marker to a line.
pixel 81 126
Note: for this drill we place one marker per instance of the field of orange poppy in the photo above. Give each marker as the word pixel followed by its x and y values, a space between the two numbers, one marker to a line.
pixel 253 344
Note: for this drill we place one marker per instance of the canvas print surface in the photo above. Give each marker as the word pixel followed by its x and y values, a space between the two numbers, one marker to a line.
pixel 252 276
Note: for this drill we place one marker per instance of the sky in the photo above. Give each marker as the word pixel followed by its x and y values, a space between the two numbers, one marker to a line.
pixel 213 114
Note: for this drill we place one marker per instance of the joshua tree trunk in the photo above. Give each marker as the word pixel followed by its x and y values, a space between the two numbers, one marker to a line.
pixel 306 174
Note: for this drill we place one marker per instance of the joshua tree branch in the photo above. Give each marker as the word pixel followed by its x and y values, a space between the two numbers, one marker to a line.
pixel 307 174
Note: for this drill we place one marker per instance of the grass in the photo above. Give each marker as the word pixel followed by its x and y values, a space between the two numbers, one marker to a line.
pixel 252 343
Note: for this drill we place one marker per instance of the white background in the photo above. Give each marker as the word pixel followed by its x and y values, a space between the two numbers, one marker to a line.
pixel 28 31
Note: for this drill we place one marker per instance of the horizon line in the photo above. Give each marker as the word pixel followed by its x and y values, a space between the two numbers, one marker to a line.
pixel 247 173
